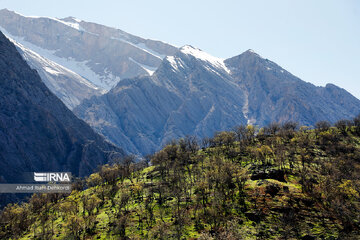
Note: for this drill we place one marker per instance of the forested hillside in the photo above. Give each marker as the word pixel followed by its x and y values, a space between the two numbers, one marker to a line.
pixel 279 182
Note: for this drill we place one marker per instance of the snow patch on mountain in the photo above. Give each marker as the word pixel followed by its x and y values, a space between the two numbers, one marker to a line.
pixel 142 47
pixel 176 63
pixel 105 81
pixel 74 25
pixel 146 49
pixel 64 83
pixel 50 66
pixel 150 70
pixel 51 71
pixel 205 57
pixel 72 19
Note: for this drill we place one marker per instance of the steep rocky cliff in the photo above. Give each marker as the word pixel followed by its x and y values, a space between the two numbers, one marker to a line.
pixel 37 131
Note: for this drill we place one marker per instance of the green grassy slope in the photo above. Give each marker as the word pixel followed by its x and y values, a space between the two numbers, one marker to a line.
pixel 277 184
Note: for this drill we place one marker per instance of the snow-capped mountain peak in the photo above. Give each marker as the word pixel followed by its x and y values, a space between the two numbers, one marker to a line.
pixel 204 57
pixel 100 54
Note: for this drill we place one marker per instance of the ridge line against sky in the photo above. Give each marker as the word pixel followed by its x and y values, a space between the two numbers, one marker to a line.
pixel 318 41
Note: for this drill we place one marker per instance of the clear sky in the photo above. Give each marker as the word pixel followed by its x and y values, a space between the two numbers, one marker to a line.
pixel 318 41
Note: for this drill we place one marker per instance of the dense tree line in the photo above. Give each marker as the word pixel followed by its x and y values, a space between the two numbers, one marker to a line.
pixel 278 182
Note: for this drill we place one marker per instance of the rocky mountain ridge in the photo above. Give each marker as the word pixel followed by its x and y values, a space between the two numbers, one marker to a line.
pixel 164 92
pixel 100 55
pixel 194 93
pixel 275 95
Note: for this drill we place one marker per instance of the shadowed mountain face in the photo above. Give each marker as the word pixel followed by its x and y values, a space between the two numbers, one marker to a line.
pixel 37 131
pixel 193 93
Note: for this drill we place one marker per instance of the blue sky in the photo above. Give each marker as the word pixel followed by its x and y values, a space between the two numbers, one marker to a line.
pixel 318 41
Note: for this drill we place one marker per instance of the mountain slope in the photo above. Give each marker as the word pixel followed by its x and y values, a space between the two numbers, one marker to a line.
pixel 285 185
pixel 37 131
pixel 98 53
pixel 70 87
pixel 274 94
pixel 190 93
pixel 197 94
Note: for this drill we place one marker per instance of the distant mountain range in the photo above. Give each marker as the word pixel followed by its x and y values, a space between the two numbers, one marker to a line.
pixel 142 93
pixel 275 95
pixel 190 93
pixel 100 55
pixel 193 93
